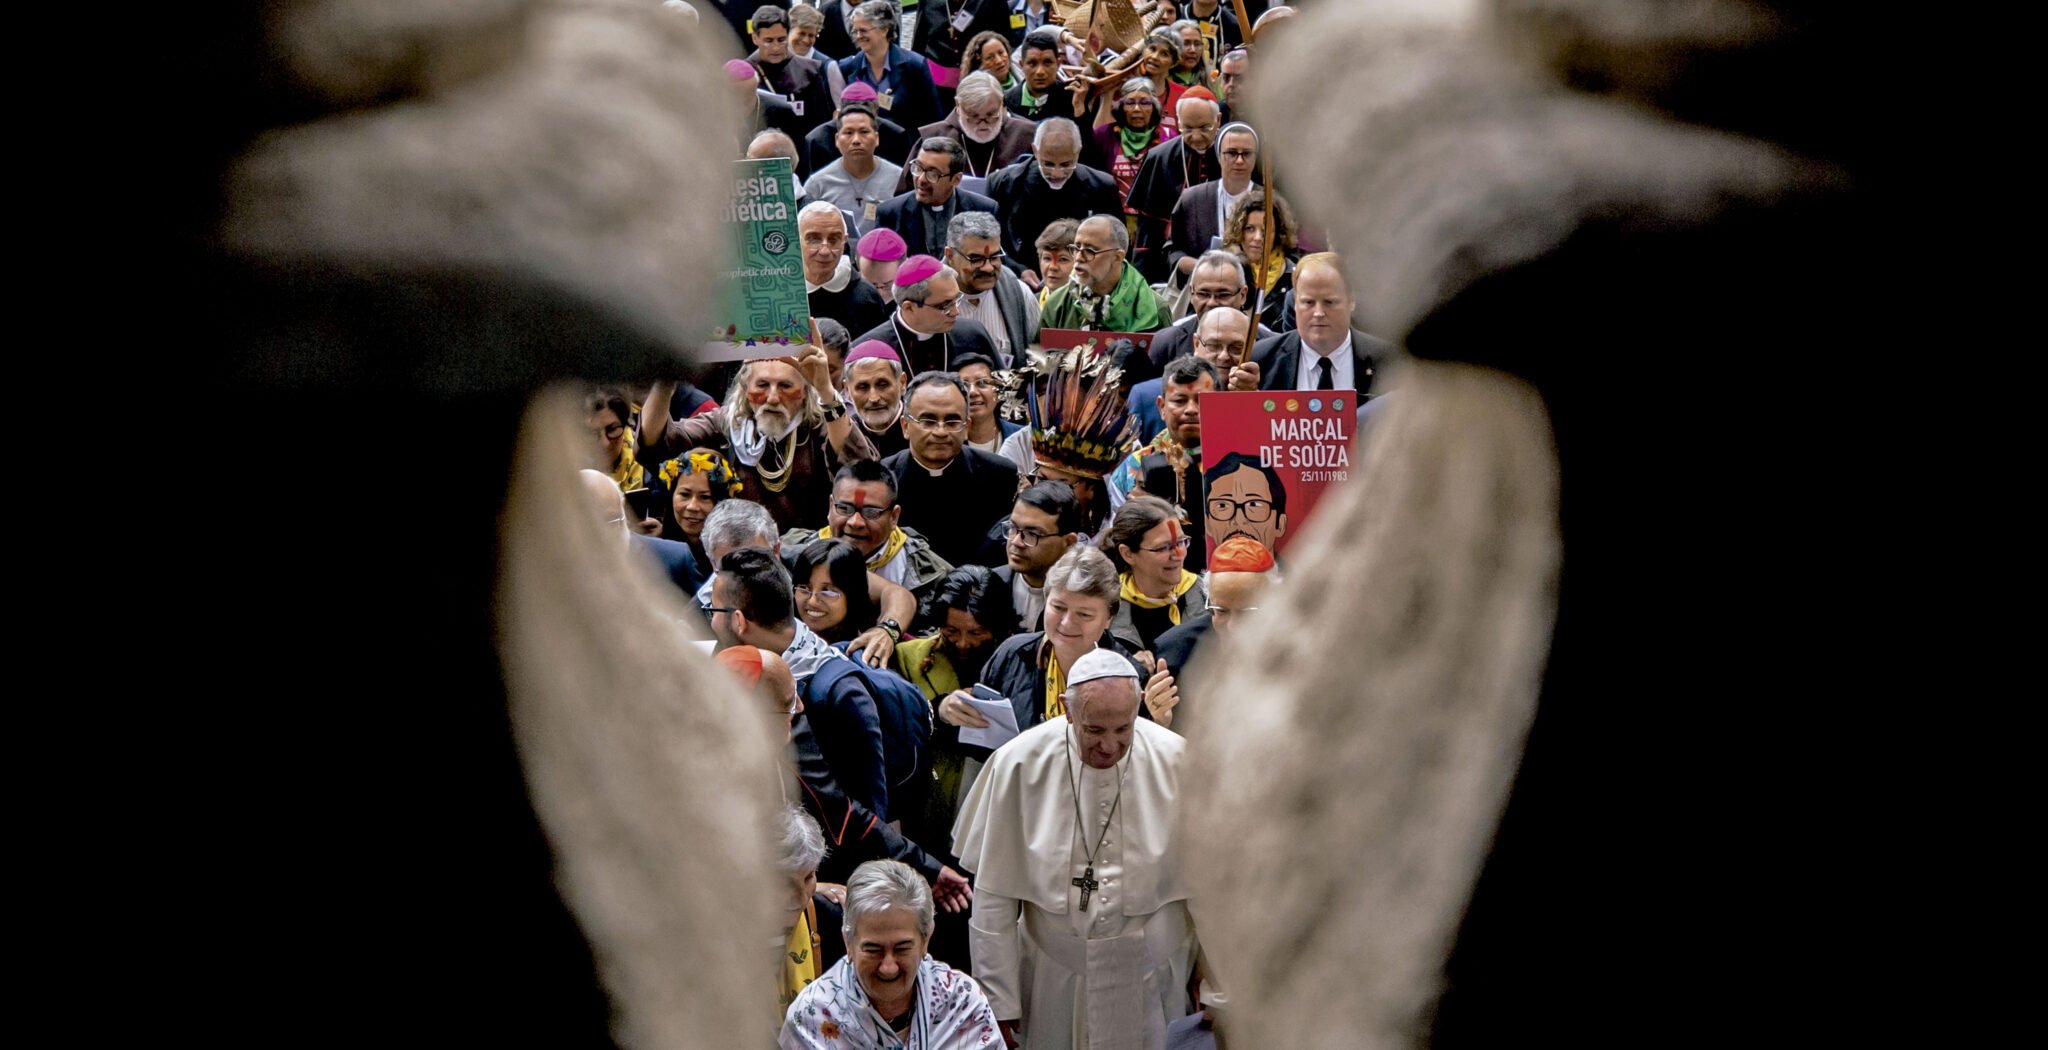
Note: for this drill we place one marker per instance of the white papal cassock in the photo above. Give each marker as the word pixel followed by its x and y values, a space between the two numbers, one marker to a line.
pixel 1109 978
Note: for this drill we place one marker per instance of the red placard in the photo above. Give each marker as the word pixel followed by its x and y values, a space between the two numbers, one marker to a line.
pixel 1050 339
pixel 1270 455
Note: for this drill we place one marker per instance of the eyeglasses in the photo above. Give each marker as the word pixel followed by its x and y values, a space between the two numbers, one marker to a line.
pixel 1254 510
pixel 980 384
pixel 1029 538
pixel 719 609
pixel 919 171
pixel 949 425
pixel 979 261
pixel 1213 346
pixel 848 510
pixel 613 430
pixel 1090 253
pixel 946 307
pixel 1240 154
pixel 1174 547
pixel 830 594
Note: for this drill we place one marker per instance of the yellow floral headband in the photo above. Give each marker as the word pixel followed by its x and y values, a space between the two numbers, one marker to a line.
pixel 708 463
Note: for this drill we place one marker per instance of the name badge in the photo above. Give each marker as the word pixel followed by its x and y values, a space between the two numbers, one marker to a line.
pixel 885 99
pixel 1208 28
pixel 867 212
pixel 798 105
pixel 962 20
pixel 1016 21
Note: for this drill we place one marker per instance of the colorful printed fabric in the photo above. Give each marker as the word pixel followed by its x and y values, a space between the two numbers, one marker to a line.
pixel 833 1013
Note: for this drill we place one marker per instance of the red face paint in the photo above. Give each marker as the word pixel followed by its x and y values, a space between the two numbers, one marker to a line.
pixel 757 396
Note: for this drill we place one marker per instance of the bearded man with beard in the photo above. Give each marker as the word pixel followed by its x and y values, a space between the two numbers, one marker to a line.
pixel 974 614
pixel 874 386
pixel 992 136
pixel 782 427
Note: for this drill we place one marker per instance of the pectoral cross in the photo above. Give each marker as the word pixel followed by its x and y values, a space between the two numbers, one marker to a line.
pixel 1086 880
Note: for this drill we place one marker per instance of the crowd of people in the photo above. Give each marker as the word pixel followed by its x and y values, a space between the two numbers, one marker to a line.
pixel 971 574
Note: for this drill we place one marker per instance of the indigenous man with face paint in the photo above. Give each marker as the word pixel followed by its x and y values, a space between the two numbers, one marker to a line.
pixel 863 511
pixel 1170 466
pixel 1081 932
pixel 782 428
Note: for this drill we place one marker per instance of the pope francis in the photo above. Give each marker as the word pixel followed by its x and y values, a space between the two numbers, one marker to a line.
pixel 1080 933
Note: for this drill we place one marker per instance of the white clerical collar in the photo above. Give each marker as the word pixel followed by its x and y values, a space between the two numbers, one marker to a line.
pixel 842 275
pixel 927 467
pixel 921 336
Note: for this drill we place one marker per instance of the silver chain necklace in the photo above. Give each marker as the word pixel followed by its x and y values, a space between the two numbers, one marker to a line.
pixel 1086 880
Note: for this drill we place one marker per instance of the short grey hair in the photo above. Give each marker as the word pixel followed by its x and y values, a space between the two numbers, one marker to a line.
pixel 785 146
pixel 1185 100
pixel 1137 84
pixel 1118 235
pixel 737 523
pixel 1222 259
pixel 804 16
pixel 799 842
pixel 1083 570
pixel 1055 127
pixel 882 885
pixel 879 13
pixel 972 224
pixel 821 208
pixel 978 88
pixel 917 292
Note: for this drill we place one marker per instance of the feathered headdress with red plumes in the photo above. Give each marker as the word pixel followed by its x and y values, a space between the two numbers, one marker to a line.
pixel 1074 402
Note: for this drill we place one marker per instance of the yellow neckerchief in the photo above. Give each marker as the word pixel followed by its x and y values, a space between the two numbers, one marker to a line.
pixel 800 955
pixel 1055 683
pixel 1171 603
pixel 627 471
pixel 896 541
pixel 1267 271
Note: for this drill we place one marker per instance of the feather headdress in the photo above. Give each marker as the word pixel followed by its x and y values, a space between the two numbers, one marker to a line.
pixel 1074 403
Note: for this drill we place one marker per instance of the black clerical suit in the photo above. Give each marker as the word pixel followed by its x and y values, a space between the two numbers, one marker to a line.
pixel 1026 204
pixel 1164 174
pixel 802 83
pixel 1195 222
pixel 1058 102
pixel 1279 358
pixel 904 214
pixel 936 353
pixel 773 113
pixel 857 305
pixel 954 508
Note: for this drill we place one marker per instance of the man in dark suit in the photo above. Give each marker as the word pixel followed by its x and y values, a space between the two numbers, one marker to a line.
pixel 993 137
pixel 1323 352
pixel 920 216
pixel 950 493
pixel 821 146
pixel 926 329
pixel 799 81
pixel 1046 187
pixel 1198 215
pixel 1188 159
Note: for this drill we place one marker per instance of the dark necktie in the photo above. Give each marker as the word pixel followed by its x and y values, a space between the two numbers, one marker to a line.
pixel 1323 381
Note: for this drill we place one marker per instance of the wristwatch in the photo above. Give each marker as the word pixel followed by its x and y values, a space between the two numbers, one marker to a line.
pixel 895 629
pixel 834 411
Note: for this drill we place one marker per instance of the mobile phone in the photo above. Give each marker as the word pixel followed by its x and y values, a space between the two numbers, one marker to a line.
pixel 640 500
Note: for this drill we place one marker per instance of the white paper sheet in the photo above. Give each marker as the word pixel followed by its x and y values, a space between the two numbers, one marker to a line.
pixel 1002 722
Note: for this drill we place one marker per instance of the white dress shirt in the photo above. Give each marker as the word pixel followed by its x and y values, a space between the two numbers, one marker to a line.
pixel 1342 375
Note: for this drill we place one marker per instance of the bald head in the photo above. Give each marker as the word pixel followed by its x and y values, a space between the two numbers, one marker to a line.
pixel 1221 337
pixel 607 504
pixel 772 143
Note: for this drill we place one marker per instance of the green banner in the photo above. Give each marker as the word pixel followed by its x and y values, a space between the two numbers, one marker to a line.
pixel 764 310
